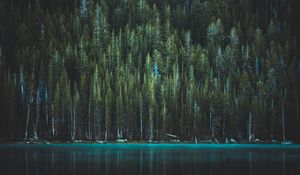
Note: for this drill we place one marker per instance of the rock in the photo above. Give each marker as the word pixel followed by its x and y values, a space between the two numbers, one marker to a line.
pixel 78 141
pixel 233 141
pixel 258 140
pixel 274 141
pixel 121 140
pixel 288 142
pixel 175 141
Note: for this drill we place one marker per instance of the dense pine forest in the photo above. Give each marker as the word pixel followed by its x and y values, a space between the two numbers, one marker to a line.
pixel 149 70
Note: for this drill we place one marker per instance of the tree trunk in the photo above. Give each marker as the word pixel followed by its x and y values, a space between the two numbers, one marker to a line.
pixel 72 121
pixel 283 96
pixel 250 127
pixel 163 122
pixel 47 116
pixel 22 84
pixel 27 121
pixel 141 118
pixel 194 121
pixel 37 114
pixel 53 123
pixel 283 121
pixel 272 118
pixel 210 124
pixel 89 122
pixel 28 114
pixel 150 124
pixel 106 134
pixel 99 128
pixel 297 109
pixel 119 135
pixel 157 134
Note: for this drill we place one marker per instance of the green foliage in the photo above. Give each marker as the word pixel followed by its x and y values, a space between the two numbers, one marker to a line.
pixel 146 69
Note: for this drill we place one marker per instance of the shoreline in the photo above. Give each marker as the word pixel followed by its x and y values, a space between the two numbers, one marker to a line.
pixel 206 142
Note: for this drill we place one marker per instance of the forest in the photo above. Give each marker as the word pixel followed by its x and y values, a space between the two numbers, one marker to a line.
pixel 149 70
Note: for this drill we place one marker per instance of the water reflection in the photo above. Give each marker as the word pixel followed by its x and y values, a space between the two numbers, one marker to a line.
pixel 147 160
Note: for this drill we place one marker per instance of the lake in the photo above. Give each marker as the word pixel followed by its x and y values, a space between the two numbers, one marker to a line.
pixel 164 159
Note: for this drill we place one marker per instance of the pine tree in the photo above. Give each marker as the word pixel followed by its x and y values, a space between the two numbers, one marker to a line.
pixel 95 105
pixel 108 97
pixel 84 8
pixel 83 117
pixel 215 33
pixel 75 106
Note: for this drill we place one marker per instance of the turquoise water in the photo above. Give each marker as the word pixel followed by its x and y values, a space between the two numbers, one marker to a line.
pixel 131 159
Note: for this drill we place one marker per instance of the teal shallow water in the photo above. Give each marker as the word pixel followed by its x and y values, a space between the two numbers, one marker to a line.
pixel 131 159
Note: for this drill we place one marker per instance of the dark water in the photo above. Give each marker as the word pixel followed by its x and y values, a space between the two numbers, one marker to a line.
pixel 126 159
